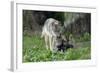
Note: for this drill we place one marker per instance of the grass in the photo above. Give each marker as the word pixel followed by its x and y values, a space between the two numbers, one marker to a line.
pixel 34 51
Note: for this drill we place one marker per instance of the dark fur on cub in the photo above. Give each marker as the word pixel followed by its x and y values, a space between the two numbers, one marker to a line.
pixel 64 45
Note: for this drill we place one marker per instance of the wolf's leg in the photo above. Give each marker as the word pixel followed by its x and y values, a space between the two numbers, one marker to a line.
pixel 53 43
pixel 46 42
pixel 50 43
pixel 42 34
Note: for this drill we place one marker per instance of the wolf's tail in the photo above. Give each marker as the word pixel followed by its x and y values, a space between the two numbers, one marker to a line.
pixel 42 35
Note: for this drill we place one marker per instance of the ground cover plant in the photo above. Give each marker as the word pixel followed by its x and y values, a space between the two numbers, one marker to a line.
pixel 34 51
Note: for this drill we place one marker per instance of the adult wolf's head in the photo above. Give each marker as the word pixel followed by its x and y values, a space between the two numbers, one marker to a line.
pixel 56 27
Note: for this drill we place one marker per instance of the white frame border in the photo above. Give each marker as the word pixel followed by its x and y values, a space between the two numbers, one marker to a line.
pixel 16 62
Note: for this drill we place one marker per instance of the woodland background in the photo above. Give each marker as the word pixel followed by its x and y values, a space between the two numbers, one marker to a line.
pixel 74 23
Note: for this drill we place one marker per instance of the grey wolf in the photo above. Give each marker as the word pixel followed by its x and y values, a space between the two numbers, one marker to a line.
pixel 50 32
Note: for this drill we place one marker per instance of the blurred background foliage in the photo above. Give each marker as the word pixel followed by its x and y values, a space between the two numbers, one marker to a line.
pixel 78 24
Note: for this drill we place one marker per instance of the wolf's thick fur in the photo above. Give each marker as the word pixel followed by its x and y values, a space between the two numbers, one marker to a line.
pixel 50 31
pixel 62 43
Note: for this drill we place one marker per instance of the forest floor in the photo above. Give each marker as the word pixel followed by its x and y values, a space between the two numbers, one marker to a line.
pixel 34 51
